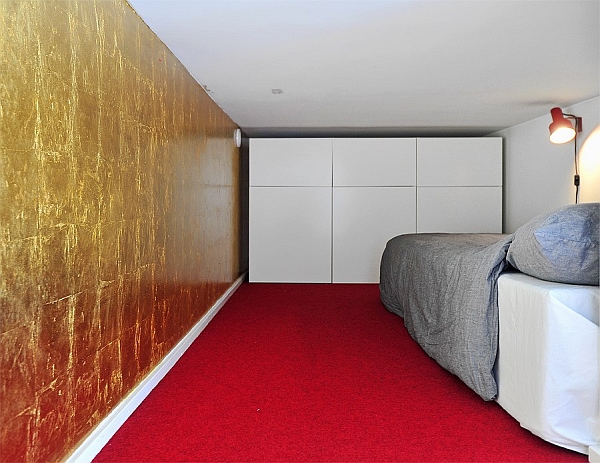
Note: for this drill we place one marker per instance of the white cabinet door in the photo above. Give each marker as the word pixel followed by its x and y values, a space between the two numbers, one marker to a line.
pixel 290 210
pixel 290 234
pixel 374 161
pixel 364 219
pixel 459 161
pixel 290 162
pixel 373 201
pixel 459 185
pixel 459 209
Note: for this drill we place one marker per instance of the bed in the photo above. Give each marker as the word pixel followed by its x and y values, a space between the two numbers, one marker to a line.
pixel 514 316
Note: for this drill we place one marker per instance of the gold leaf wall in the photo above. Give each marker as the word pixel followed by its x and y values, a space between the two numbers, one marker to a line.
pixel 118 215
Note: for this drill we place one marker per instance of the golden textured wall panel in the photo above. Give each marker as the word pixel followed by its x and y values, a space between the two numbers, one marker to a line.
pixel 119 205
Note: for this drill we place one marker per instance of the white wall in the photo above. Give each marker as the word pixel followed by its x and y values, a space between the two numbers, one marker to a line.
pixel 538 175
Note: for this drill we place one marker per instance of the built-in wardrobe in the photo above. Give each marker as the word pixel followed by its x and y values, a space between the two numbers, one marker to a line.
pixel 322 209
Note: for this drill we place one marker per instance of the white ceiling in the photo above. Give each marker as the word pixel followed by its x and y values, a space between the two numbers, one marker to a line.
pixel 384 67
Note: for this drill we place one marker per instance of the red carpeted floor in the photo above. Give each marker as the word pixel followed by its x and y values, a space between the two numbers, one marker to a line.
pixel 294 372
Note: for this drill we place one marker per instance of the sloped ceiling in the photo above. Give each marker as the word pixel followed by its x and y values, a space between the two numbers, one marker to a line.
pixel 384 67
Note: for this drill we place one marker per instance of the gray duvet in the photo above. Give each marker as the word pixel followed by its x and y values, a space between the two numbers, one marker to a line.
pixel 445 288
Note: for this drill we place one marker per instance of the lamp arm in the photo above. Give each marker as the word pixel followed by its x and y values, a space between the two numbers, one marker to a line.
pixel 578 121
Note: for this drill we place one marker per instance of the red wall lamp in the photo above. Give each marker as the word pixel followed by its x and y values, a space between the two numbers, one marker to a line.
pixel 562 131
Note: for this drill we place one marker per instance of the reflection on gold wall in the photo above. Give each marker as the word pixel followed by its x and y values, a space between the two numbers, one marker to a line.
pixel 118 215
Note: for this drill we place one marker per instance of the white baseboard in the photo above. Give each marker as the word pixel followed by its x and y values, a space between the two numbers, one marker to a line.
pixel 102 433
pixel 594 455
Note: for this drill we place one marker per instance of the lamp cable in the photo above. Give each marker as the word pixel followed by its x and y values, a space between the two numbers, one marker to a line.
pixel 576 178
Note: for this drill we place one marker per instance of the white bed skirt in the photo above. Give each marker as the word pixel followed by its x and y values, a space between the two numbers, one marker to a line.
pixel 547 366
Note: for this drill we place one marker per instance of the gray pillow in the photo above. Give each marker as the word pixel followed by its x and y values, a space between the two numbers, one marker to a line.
pixel 560 246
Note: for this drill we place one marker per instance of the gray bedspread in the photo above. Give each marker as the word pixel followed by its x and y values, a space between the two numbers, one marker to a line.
pixel 445 288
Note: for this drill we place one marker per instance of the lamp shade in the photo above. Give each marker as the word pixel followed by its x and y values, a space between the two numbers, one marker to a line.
pixel 561 129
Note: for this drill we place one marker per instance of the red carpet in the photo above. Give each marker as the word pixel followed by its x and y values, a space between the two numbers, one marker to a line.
pixel 290 372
